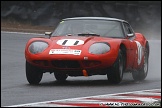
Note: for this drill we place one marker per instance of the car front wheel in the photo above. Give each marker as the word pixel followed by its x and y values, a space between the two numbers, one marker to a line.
pixel 116 74
pixel 33 74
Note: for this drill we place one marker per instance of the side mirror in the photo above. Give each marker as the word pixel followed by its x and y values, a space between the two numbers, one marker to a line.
pixel 130 35
pixel 48 33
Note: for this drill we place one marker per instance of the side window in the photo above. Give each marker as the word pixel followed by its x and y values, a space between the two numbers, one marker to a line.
pixel 128 29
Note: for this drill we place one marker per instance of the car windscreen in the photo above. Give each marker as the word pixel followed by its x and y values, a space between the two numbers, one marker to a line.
pixel 104 28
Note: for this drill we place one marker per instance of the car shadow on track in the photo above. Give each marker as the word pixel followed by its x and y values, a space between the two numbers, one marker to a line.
pixel 93 81
pixel 88 83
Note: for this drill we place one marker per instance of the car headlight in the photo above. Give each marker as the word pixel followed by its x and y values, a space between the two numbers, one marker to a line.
pixel 37 47
pixel 99 48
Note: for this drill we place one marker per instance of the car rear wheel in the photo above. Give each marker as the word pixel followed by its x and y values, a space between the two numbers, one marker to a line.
pixel 142 73
pixel 60 76
pixel 116 74
pixel 33 74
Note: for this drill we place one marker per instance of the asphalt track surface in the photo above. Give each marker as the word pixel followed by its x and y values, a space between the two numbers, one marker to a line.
pixel 16 90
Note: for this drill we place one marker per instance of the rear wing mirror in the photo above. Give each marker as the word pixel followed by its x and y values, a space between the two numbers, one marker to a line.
pixel 48 33
pixel 130 35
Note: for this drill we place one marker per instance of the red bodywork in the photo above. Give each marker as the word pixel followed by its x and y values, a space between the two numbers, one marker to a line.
pixel 87 61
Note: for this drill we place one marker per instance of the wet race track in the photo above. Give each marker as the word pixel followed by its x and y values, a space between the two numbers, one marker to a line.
pixel 16 90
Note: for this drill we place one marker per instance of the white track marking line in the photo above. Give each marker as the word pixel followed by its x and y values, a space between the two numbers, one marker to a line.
pixel 73 99
pixel 148 93
pixel 22 33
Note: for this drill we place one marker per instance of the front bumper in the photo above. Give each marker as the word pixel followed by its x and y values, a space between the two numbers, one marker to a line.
pixel 71 62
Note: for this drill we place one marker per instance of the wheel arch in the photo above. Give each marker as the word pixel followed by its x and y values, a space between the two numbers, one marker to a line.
pixel 123 48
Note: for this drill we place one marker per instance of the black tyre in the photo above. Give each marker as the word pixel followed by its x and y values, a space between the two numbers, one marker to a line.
pixel 33 74
pixel 115 76
pixel 60 76
pixel 142 73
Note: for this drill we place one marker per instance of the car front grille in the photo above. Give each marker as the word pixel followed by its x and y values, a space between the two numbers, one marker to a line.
pixel 65 64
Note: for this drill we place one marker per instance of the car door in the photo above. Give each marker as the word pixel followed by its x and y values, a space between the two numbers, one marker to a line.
pixel 131 53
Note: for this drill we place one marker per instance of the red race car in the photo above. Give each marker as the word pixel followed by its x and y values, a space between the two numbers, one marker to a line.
pixel 85 46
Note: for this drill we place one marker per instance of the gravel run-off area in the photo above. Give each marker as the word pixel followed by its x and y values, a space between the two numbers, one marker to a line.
pixel 14 26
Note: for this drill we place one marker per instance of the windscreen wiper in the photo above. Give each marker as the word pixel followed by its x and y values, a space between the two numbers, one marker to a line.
pixel 88 34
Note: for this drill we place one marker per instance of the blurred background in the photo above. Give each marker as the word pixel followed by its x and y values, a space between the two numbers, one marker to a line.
pixel 144 16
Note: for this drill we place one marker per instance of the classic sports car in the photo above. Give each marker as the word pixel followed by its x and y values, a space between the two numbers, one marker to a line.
pixel 85 46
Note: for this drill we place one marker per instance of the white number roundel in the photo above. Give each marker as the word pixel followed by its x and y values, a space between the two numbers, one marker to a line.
pixel 70 42
pixel 140 52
